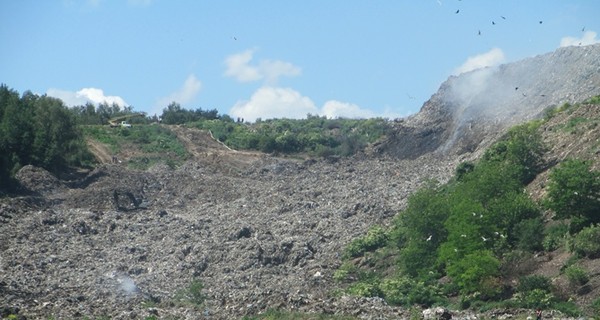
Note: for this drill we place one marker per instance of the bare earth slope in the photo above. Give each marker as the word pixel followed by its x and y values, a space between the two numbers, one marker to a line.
pixel 259 232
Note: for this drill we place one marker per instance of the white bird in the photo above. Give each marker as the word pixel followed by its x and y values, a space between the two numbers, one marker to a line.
pixel 484 239
pixel 455 250
pixel 463 235
pixel 430 236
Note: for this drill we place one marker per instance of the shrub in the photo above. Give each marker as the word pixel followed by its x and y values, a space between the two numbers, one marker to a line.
pixel 528 234
pixel 536 298
pixel 555 236
pixel 473 271
pixel 574 191
pixel 192 294
pixel 533 282
pixel 375 238
pixel 577 276
pixel 365 289
pixel 587 242
pixel 595 306
pixel 407 292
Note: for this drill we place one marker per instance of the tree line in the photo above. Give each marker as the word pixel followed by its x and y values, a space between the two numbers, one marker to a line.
pixel 37 130
pixel 43 131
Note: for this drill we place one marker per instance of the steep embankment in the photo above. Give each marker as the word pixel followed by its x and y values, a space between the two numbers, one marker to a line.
pixel 473 109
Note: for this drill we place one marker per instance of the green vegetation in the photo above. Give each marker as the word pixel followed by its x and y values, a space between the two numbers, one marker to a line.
pixel 37 130
pixel 317 136
pixel 192 295
pixel 574 193
pixel 156 143
pixel 467 240
pixel 43 132
pixel 586 243
pixel 576 275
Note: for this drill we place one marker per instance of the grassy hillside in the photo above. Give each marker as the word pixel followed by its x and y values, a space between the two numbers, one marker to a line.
pixel 141 145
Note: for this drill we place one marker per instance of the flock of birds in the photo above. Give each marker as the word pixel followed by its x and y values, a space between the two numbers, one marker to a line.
pixel 484 239
pixel 502 17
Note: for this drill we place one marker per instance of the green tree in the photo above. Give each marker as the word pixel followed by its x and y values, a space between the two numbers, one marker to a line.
pixel 421 226
pixel 475 271
pixel 574 192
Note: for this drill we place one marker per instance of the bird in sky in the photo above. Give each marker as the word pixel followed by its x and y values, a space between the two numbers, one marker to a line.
pixel 457 11
pixel 493 23
pixel 503 17
pixel 583 29
pixel 516 88
pixel 541 21
pixel 478 32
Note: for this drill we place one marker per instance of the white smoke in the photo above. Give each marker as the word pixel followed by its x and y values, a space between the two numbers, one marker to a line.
pixel 128 285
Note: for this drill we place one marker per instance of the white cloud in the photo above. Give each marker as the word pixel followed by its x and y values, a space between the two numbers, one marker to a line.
pixel 85 95
pixel 491 58
pixel 239 67
pixel 273 102
pixel 588 37
pixel 337 109
pixel 270 102
pixel 183 95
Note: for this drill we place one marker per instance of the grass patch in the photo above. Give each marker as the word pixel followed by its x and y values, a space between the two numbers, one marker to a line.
pixel 148 144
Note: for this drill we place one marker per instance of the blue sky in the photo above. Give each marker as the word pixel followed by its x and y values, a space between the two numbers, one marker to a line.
pixel 273 59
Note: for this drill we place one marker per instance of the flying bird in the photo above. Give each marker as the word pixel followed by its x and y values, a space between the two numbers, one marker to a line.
pixel 493 23
pixel 478 32
pixel 541 21
pixel 484 239
pixel 583 29
pixel 429 239
pixel 503 17
pixel 516 88
pixel 457 11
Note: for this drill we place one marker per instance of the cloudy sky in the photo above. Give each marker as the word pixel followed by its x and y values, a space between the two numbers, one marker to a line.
pixel 273 59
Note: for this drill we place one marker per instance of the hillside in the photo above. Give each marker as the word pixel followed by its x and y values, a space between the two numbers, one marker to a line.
pixel 472 110
pixel 262 232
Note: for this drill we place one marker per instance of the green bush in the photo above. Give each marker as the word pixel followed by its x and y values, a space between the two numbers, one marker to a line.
pixel 555 236
pixel 577 276
pixel 192 294
pixel 536 298
pixel 595 305
pixel 574 191
pixel 528 233
pixel 365 289
pixel 534 282
pixel 587 242
pixel 375 238
pixel 474 272
pixel 404 291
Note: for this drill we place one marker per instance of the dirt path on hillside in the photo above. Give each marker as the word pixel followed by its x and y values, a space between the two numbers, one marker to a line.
pixel 99 150
pixel 205 148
